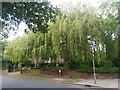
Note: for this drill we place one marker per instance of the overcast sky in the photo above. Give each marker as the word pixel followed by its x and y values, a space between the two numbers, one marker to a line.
pixel 74 2
pixel 61 4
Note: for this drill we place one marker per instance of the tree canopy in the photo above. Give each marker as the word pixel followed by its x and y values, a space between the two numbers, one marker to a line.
pixel 36 15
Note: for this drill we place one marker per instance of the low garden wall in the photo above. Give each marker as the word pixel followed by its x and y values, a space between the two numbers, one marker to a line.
pixel 70 74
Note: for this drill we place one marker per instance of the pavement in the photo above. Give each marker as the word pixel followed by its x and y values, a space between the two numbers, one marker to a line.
pixel 105 83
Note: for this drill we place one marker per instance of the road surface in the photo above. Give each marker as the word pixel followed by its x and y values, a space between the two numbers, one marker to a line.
pixel 8 82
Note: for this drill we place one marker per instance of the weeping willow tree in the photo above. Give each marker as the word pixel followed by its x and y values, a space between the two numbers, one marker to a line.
pixel 70 38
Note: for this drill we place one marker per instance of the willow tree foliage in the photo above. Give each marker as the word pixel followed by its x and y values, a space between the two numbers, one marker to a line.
pixel 71 38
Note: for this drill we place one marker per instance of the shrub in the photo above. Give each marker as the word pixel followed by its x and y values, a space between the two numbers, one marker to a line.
pixel 115 62
pixel 52 68
pixel 106 70
pixel 4 66
pixel 73 64
pixel 26 68
pixel 20 65
pixel 85 69
pixel 105 63
pixel 99 70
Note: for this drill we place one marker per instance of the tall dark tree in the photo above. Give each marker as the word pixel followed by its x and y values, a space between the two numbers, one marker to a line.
pixel 36 15
pixel 118 31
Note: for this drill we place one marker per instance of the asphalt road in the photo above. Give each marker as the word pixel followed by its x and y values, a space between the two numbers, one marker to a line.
pixel 8 82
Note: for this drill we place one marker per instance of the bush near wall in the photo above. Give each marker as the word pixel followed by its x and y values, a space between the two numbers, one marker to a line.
pixel 107 70
pixel 84 68
pixel 4 65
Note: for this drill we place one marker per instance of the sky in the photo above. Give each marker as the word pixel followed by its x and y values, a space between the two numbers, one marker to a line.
pixel 61 4
pixel 20 32
pixel 73 2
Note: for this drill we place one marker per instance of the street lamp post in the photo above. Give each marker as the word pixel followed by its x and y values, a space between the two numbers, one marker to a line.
pixel 92 46
pixel 92 52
